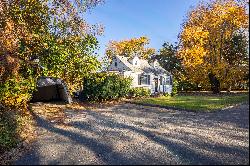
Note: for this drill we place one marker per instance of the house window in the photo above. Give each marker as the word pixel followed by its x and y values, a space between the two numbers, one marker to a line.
pixel 115 64
pixel 143 79
pixel 171 80
pixel 168 81
pixel 135 62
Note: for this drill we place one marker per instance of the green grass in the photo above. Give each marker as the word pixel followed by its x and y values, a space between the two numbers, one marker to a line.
pixel 8 132
pixel 196 103
pixel 14 128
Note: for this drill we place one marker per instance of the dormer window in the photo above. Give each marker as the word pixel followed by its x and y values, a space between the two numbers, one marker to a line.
pixel 135 61
pixel 155 64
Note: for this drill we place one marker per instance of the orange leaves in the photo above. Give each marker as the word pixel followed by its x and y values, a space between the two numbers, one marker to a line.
pixel 193 56
pixel 8 41
pixel 55 33
pixel 194 35
pixel 9 67
pixel 205 36
pixel 130 47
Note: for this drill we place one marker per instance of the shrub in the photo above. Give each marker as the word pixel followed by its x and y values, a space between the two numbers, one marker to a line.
pixel 167 94
pixel 15 120
pixel 139 92
pixel 104 86
pixel 186 86
pixel 14 94
pixel 174 88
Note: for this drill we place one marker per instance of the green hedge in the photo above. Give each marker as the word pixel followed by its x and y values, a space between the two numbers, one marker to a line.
pixel 139 92
pixel 105 86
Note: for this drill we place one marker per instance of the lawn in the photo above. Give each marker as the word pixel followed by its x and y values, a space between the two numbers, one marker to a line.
pixel 195 102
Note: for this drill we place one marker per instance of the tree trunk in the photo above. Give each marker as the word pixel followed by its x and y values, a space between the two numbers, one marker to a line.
pixel 215 83
pixel 229 88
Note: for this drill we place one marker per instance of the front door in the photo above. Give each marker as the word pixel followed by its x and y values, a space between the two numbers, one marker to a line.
pixel 156 84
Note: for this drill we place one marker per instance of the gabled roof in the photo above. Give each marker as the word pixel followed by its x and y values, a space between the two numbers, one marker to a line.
pixel 125 61
pixel 144 66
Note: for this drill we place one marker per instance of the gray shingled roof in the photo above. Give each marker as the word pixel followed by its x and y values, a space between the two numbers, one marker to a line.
pixel 144 67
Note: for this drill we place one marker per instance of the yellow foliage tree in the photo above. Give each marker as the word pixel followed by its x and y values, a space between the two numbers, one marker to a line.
pixel 213 43
pixel 134 46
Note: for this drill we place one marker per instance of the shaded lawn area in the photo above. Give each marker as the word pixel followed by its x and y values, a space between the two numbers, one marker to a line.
pixel 195 102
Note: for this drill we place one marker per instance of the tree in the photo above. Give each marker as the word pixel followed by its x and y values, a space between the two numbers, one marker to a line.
pixel 71 43
pixel 27 27
pixel 129 48
pixel 209 38
pixel 48 33
pixel 169 61
pixel 21 25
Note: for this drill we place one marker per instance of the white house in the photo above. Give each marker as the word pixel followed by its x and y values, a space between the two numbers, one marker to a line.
pixel 144 74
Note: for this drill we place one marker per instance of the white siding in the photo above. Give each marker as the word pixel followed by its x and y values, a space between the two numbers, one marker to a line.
pixel 161 88
pixel 126 72
pixel 167 86
pixel 134 76
pixel 135 80
pixel 120 65
pixel 136 61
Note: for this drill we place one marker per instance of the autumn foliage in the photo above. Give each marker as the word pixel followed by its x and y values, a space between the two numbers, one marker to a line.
pixel 130 47
pixel 44 37
pixel 40 38
pixel 213 44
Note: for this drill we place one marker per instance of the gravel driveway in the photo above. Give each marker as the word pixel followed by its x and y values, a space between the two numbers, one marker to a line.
pixel 134 134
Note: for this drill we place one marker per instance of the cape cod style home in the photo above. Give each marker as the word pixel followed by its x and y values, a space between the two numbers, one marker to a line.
pixel 144 74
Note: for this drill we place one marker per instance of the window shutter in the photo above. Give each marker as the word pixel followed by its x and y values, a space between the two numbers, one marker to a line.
pixel 139 79
pixel 148 79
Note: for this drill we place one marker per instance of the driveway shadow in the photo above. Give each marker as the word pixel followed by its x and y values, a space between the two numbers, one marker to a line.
pixel 185 149
pixel 184 153
pixel 237 115
pixel 100 149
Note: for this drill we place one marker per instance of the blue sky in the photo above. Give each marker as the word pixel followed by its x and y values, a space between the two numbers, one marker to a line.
pixel 159 20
